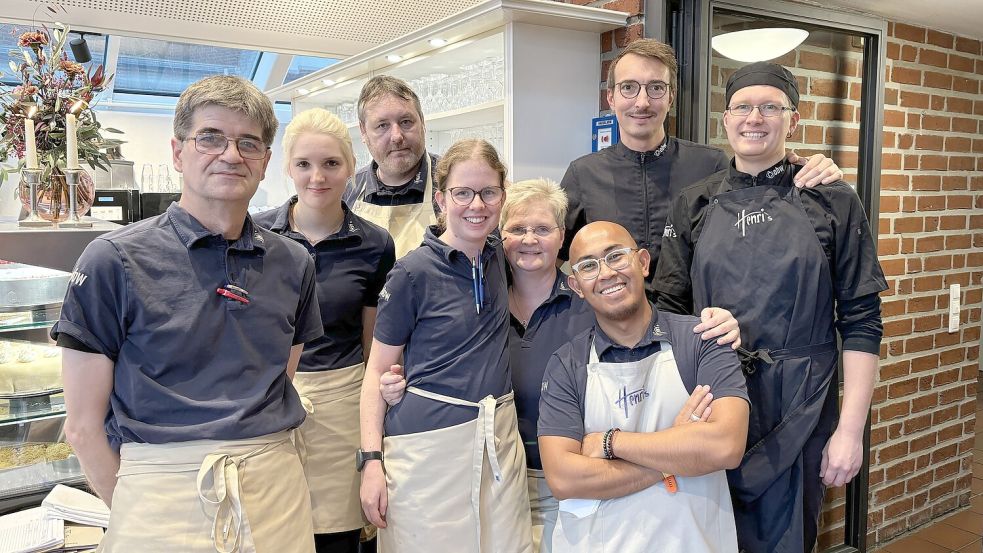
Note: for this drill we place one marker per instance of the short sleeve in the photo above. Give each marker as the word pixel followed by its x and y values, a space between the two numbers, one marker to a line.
pixel 378 279
pixel 674 289
pixel 858 272
pixel 576 217
pixel 396 317
pixel 719 367
pixel 561 403
pixel 308 320
pixel 94 310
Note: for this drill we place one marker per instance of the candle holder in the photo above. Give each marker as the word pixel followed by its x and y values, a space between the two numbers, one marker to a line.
pixel 33 177
pixel 74 220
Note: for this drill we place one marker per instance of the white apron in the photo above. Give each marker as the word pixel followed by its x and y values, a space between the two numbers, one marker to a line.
pixel 406 223
pixel 208 496
pixel 645 396
pixel 460 489
pixel 326 442
pixel 542 507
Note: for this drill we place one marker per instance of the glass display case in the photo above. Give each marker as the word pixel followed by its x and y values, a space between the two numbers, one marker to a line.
pixel 33 453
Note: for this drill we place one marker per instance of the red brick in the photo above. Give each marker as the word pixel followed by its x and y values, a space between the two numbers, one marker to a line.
pixel 978 145
pixel 959 105
pixel 936 123
pixel 958 144
pixel 965 84
pixel 928 283
pixel 922 304
pixel 962 242
pixel 834 88
pixel 905 141
pixel 835 112
pixel 926 182
pixel 844 136
pixel 910 99
pixel 931 203
pixel 909 32
pixel 903 388
pixel 631 7
pixel 606 42
pixel 890 161
pixel 962 163
pixel 905 75
pixel 963 124
pixel 924 402
pixel 929 142
pixel 937 38
pixel 934 57
pixel 951 222
pixel 961 63
pixel 959 202
pixel 938 102
pixel 817 61
pixel 897 328
pixel 895 118
pixel 934 79
pixel 895 451
pixel 626 35
pixel 968 45
pixel 893 50
pixel 888 246
pixel 938 263
pixel 920 343
pixel 933 163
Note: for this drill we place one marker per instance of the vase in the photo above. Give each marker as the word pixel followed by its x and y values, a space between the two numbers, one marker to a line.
pixel 53 200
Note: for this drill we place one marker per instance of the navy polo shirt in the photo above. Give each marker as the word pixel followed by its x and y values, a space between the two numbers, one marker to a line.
pixel 190 364
pixel 561 317
pixel 561 410
pixel 365 186
pixel 428 305
pixel 350 271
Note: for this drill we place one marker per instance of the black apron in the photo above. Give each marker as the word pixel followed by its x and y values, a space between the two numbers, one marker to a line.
pixel 759 257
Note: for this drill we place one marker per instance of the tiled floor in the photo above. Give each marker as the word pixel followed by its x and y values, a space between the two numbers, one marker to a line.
pixel 962 532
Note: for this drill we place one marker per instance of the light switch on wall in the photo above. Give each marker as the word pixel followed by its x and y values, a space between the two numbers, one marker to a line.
pixel 954 308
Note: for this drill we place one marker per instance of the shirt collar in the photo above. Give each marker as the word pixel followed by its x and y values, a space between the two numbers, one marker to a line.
pixel 191 231
pixel 419 182
pixel 351 227
pixel 602 342
pixel 560 287
pixel 431 240
pixel 778 174
pixel 651 155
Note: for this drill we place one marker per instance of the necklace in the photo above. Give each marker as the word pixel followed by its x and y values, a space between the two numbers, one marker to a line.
pixel 296 228
pixel 516 311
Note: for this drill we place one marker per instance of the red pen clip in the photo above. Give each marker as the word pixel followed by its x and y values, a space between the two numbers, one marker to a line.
pixel 230 295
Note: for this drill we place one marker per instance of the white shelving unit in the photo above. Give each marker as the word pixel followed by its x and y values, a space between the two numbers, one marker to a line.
pixel 535 103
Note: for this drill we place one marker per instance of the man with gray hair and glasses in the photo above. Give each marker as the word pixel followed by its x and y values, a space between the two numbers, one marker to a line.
pixel 181 335
pixel 395 190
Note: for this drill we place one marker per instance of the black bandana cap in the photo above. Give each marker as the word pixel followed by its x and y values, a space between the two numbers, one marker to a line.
pixel 764 73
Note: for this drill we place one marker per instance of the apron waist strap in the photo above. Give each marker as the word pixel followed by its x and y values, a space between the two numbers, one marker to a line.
pixel 484 437
pixel 749 358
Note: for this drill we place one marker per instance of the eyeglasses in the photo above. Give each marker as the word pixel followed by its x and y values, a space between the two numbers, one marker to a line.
pixel 463 196
pixel 766 110
pixel 654 89
pixel 616 260
pixel 216 144
pixel 541 231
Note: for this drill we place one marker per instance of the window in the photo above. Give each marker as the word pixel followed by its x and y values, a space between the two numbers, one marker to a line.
pixel 9 34
pixel 305 65
pixel 158 67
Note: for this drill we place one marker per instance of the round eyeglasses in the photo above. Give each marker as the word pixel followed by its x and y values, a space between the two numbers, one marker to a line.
pixel 654 89
pixel 766 110
pixel 463 196
pixel 616 260
pixel 541 231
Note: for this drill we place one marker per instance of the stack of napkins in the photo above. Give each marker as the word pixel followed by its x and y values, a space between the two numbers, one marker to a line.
pixel 76 505
pixel 31 531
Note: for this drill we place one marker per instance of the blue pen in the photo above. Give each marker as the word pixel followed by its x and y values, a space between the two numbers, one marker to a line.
pixel 474 286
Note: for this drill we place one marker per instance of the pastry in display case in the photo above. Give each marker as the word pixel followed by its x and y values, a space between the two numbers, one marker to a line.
pixel 33 454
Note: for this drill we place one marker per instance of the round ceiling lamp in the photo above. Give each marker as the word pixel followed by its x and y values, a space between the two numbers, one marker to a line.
pixel 758 44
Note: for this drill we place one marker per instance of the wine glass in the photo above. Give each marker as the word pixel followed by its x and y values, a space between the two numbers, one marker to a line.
pixel 147 178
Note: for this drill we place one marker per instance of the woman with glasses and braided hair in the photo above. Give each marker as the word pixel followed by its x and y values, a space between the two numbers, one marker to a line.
pixel 795 266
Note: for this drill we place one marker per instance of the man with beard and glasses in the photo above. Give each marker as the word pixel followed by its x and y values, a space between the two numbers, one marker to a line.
pixel 632 442
pixel 395 190
pixel 634 181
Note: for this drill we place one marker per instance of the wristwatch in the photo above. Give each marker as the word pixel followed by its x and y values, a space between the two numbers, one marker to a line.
pixel 361 457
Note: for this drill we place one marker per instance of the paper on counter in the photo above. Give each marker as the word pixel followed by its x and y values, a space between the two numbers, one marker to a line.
pixel 75 505
pixel 79 538
pixel 31 531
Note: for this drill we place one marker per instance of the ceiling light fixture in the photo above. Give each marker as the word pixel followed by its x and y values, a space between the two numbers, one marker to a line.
pixel 393 58
pixel 758 44
pixel 303 91
pixel 437 42
pixel 327 82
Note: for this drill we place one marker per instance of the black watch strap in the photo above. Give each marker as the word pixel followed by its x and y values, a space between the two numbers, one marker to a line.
pixel 362 457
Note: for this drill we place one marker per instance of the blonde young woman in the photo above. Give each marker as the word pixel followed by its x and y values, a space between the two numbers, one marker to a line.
pixel 352 258
pixel 454 466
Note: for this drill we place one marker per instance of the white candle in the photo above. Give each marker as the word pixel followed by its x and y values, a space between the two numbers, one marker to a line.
pixel 71 135
pixel 31 144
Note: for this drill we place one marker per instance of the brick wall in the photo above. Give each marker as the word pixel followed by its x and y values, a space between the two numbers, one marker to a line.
pixel 930 236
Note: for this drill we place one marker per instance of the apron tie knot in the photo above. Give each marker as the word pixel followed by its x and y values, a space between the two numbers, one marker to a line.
pixel 749 359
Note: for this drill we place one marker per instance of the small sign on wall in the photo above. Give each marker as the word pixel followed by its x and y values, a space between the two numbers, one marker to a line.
pixel 604 132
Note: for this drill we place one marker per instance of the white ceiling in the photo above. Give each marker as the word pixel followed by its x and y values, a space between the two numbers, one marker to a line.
pixel 340 28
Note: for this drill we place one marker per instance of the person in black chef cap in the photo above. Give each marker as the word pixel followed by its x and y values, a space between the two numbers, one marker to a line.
pixel 794 266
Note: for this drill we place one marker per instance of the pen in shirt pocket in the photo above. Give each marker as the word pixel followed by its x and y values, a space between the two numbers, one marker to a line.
pixel 474 286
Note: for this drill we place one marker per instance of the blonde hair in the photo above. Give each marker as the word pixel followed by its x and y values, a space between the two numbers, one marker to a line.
pixel 318 121
pixel 464 150
pixel 524 193
pixel 652 49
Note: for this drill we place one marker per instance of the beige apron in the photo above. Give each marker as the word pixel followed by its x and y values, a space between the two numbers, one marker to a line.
pixel 208 496
pixel 460 489
pixel 542 506
pixel 327 442
pixel 406 223
pixel 645 396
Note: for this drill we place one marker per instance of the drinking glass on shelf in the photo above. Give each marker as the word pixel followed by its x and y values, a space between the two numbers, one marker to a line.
pixel 147 178
pixel 163 178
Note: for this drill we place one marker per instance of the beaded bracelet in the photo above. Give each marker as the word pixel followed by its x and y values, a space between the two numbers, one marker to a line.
pixel 607 442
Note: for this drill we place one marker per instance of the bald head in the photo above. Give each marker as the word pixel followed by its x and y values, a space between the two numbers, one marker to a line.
pixel 612 235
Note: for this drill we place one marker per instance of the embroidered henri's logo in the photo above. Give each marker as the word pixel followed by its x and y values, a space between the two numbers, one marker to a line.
pixel 745 219
pixel 772 173
pixel 669 231
pixel 78 278
pixel 631 399
pixel 384 295
pixel 546 384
